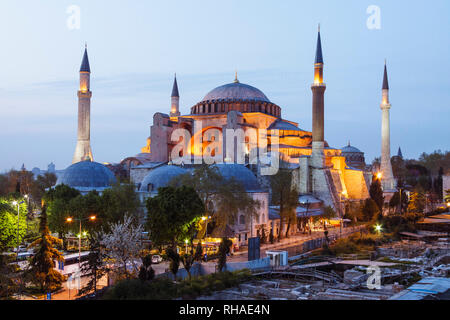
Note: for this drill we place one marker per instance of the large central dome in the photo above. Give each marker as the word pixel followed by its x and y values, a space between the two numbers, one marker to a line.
pixel 236 90
pixel 236 96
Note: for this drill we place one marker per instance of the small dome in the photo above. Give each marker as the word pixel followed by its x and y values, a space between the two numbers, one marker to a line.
pixel 350 149
pixel 240 173
pixel 87 174
pixel 236 90
pixel 160 177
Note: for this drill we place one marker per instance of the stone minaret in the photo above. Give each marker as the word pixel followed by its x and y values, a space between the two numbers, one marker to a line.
pixel 318 90
pixel 175 100
pixel 83 149
pixel 387 178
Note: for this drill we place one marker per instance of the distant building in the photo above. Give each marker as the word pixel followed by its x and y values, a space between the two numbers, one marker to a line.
pixel 446 184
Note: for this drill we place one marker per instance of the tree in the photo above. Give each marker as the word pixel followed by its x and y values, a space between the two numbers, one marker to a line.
pixel 41 269
pixel 95 267
pixel 123 244
pixel 8 223
pixel 188 260
pixel 286 197
pixel 58 200
pixel 146 272
pixel 224 250
pixel 376 193
pixel 173 215
pixel 42 182
pixel 329 213
pixel 8 276
pixel 118 200
pixel 353 210
pixel 174 259
pixel 271 237
pixel 198 252
pixel 370 210
pixel 223 198
pixel 417 202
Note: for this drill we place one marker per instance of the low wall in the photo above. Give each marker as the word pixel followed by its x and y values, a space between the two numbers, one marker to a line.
pixel 252 265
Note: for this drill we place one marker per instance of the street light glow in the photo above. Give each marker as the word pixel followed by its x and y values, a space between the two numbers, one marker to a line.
pixel 14 203
pixel 379 175
pixel 378 228
pixel 92 218
pixel 69 219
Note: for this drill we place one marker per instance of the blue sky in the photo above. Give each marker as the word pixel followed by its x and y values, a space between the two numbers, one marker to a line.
pixel 135 47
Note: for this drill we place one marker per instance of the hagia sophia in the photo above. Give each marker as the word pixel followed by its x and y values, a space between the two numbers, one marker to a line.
pixel 322 174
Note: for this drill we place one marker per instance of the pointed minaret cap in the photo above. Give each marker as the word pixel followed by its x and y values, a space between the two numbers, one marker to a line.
pixel 385 78
pixel 399 153
pixel 175 87
pixel 319 58
pixel 85 63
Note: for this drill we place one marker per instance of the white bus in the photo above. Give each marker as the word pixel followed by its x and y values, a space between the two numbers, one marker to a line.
pixel 70 263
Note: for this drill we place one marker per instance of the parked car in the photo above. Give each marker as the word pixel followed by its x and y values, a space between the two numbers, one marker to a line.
pixel 156 259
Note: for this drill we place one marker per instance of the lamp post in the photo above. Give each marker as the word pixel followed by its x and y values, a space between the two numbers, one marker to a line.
pixel 92 218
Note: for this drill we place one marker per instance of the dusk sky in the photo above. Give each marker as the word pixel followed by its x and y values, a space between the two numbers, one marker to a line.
pixel 135 47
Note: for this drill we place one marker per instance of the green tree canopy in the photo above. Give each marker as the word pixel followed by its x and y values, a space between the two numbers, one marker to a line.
pixel 223 198
pixel 285 196
pixel 173 215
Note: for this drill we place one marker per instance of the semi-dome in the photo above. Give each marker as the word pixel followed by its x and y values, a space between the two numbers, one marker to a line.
pixel 241 174
pixel 87 175
pixel 236 90
pixel 160 177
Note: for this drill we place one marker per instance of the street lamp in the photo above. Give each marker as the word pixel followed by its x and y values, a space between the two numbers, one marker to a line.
pixel 69 220
pixel 378 228
pixel 16 203
pixel 379 175
pixel 186 242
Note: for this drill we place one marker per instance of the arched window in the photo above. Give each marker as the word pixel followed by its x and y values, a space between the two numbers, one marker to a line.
pixel 149 187
pixel 242 219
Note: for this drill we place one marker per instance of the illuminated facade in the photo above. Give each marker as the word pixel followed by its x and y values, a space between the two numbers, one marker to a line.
pixel 317 168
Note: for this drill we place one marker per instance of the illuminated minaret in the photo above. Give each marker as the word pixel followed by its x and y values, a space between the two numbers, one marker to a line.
pixel 318 90
pixel 387 178
pixel 175 100
pixel 83 149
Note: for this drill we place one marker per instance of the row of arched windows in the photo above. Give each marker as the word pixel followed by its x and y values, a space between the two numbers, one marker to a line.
pixel 216 107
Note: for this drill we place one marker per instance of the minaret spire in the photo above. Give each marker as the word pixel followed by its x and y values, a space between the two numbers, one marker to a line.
pixel 83 149
pixel 318 91
pixel 387 177
pixel 235 77
pixel 175 99
pixel 319 58
pixel 385 77
pixel 85 62
pixel 175 87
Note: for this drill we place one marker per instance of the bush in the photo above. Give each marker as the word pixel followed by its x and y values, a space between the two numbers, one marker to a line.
pixel 164 289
